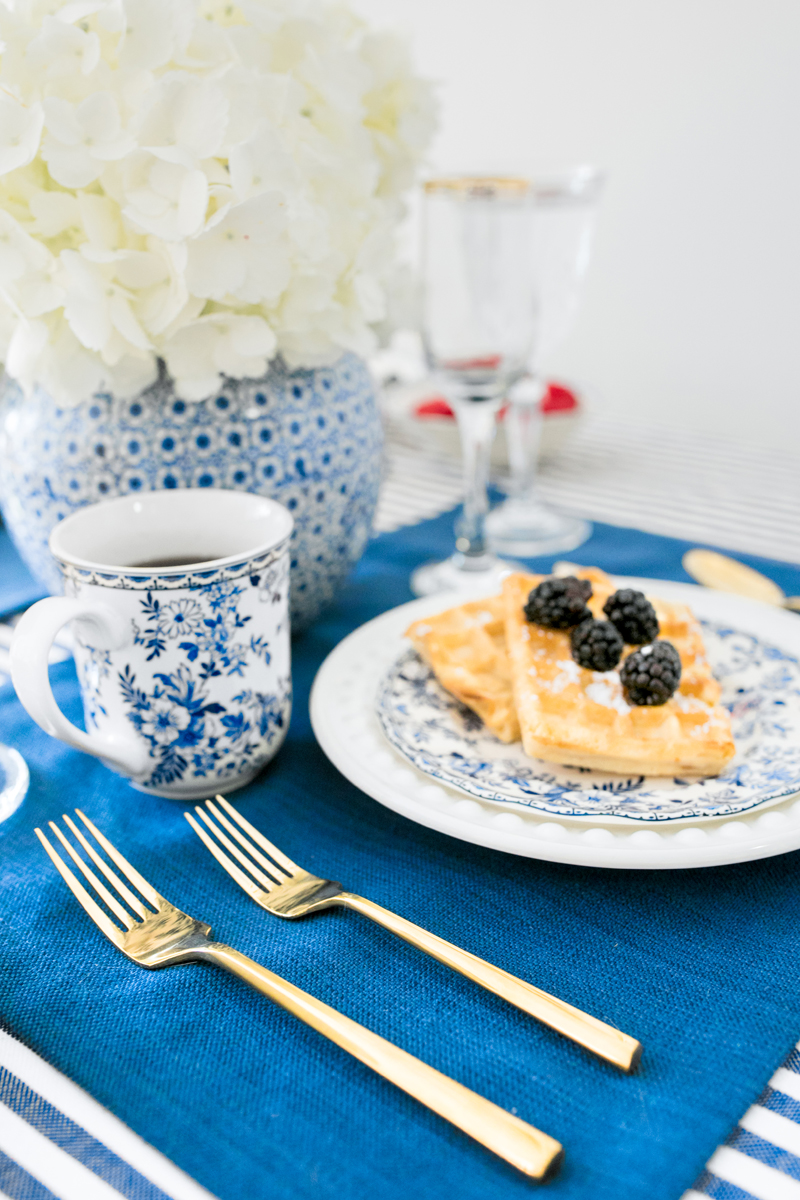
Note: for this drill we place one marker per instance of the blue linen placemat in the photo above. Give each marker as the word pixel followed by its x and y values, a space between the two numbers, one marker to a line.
pixel 700 965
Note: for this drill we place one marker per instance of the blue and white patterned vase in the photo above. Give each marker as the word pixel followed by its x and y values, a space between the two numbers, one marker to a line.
pixel 308 438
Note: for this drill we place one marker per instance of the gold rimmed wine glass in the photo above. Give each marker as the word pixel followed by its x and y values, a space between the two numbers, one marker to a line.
pixel 563 214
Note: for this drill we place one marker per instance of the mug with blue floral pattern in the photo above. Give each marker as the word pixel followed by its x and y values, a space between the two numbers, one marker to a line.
pixel 179 608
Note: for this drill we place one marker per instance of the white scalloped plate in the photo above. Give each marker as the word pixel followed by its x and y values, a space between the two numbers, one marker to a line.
pixel 345 723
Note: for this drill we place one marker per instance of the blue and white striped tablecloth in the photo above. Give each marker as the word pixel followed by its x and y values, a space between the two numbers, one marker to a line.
pixel 698 487
pixel 761 1158
pixel 57 1142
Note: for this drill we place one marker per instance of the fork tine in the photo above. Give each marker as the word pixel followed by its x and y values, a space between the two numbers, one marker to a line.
pixel 112 902
pixel 107 926
pixel 267 881
pixel 110 875
pixel 244 881
pixel 275 873
pixel 130 872
pixel 259 838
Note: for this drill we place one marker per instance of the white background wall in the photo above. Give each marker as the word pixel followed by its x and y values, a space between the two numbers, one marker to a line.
pixel 692 306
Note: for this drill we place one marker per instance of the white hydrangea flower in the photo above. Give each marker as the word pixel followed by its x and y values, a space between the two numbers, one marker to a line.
pixel 61 49
pixel 244 255
pixel 53 213
pixel 200 181
pixel 47 354
pixel 219 344
pixel 156 278
pixel 185 120
pixel 154 32
pixel 168 200
pixel 263 163
pixel 26 272
pixel 82 137
pixel 20 132
pixel 98 308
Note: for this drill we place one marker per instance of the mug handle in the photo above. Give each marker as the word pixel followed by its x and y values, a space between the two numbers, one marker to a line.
pixel 30 648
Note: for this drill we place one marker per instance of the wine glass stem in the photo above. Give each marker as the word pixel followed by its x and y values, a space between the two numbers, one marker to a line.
pixel 476 418
pixel 523 422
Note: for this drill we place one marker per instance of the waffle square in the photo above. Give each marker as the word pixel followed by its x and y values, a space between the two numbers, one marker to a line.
pixel 575 717
pixel 466 649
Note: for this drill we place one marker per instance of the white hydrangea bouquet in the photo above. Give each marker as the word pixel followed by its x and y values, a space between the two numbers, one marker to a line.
pixel 200 181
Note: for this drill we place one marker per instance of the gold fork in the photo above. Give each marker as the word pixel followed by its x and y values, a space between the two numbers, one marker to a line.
pixel 286 890
pixel 161 935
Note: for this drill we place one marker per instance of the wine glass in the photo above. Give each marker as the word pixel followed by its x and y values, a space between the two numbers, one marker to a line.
pixel 564 210
pixel 480 318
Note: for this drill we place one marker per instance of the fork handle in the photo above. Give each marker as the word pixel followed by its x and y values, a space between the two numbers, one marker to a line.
pixel 609 1043
pixel 526 1148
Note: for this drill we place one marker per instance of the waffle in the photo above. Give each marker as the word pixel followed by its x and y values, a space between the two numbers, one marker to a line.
pixel 579 718
pixel 466 649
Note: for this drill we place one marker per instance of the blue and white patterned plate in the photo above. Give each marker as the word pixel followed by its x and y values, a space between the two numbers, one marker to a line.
pixel 760 688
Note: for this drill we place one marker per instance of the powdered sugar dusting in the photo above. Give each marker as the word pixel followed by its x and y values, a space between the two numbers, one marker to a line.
pixel 480 619
pixel 691 703
pixel 568 672
pixel 606 689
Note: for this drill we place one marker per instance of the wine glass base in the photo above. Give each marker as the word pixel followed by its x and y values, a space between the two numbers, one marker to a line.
pixel 14 780
pixel 531 528
pixel 460 573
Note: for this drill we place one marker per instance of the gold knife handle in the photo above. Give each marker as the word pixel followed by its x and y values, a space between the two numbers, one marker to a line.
pixel 526 1148
pixel 609 1043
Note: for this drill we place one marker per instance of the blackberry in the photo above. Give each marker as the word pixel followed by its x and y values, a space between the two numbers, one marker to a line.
pixel 596 645
pixel 651 675
pixel 559 603
pixel 633 615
